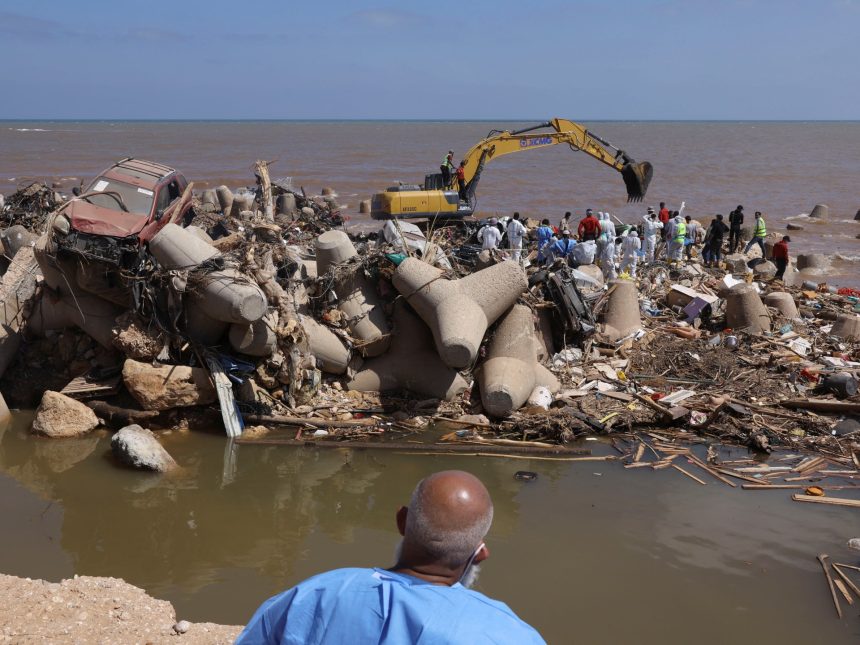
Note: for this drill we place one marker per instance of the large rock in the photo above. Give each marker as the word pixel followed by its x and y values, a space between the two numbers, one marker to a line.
pixel 167 386
pixel 764 270
pixel 736 262
pixel 60 416
pixel 138 447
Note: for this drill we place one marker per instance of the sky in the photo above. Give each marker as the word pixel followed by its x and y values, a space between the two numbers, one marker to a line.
pixel 477 59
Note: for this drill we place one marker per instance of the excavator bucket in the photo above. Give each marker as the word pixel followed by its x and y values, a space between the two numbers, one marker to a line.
pixel 637 176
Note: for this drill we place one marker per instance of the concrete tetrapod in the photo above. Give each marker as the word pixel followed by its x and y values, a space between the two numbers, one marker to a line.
pixel 820 210
pixel 225 198
pixel 783 303
pixel 411 363
pixel 812 262
pixel 177 248
pixel 257 339
pixel 846 326
pixel 92 315
pixel 511 370
pixel 356 295
pixel 745 310
pixel 458 312
pixel 329 351
pixel 620 317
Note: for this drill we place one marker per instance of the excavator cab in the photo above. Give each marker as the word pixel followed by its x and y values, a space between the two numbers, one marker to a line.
pixel 637 176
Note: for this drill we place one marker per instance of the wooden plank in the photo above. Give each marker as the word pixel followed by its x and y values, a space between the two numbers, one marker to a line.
pixel 835 501
pixel 822 405
pixel 823 560
pixel 441 448
pixel 690 475
pixel 846 579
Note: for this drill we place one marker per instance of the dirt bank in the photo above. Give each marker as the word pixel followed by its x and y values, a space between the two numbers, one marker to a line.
pixel 85 609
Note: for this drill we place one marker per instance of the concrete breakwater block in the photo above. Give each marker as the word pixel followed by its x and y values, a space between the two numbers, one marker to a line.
pixel 228 295
pixel 177 248
pixel 857 215
pixel 458 312
pixel 323 344
pixel 620 317
pixel 356 294
pixel 782 302
pixel 225 199
pixel 847 326
pixel 257 339
pixel 164 387
pixel 241 202
pixel 92 315
pixel 364 206
pixel 745 311
pixel 794 227
pixel 411 363
pixel 285 204
pixel 209 196
pixel 820 210
pixel 511 371
pixel 14 238
pixel 200 233
pixel 202 328
pixel 812 261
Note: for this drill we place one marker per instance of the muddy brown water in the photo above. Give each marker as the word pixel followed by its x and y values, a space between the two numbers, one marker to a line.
pixel 780 168
pixel 587 553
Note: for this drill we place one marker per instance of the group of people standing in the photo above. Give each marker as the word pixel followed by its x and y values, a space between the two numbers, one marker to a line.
pixel 662 233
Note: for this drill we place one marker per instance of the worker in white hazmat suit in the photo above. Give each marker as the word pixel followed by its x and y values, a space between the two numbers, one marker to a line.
pixel 630 246
pixel 489 236
pixel 651 227
pixel 606 253
pixel 516 232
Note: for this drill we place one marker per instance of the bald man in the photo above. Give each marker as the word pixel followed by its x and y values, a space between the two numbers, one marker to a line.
pixel 423 598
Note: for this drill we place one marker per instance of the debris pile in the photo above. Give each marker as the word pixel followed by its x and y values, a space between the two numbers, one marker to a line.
pixel 258 308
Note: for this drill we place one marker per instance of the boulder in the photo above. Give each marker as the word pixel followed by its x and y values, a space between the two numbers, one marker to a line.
pixel 764 270
pixel 167 386
pixel 137 447
pixel 736 263
pixel 60 416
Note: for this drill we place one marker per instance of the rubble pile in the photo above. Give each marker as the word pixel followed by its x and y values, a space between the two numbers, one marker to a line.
pixel 260 306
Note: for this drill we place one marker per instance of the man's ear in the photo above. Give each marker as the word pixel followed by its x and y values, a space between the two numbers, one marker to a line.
pixel 482 555
pixel 402 512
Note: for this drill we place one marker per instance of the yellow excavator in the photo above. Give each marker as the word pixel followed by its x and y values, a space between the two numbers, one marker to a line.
pixel 436 200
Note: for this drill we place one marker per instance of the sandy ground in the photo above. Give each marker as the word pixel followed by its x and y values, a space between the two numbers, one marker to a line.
pixel 84 609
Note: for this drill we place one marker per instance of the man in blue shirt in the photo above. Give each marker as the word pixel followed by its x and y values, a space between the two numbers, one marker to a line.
pixel 544 238
pixel 563 247
pixel 423 598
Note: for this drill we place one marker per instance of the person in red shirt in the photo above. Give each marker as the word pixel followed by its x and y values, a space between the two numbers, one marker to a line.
pixel 589 227
pixel 664 216
pixel 461 179
pixel 780 256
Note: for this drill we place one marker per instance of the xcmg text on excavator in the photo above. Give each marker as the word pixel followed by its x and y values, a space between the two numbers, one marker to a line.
pixel 436 200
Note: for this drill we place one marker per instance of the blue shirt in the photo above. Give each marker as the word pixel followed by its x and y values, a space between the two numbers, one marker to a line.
pixel 377 606
pixel 544 234
pixel 562 248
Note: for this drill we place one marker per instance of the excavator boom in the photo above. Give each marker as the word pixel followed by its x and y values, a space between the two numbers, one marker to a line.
pixel 407 201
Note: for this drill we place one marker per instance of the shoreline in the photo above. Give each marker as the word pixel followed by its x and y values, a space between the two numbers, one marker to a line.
pixel 87 608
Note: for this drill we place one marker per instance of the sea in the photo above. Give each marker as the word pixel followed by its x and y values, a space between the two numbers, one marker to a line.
pixel 782 169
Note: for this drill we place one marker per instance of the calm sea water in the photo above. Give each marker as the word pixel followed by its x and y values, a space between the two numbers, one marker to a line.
pixel 780 168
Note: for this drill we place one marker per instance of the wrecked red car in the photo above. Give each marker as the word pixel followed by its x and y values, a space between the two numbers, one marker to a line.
pixel 99 236
pixel 124 207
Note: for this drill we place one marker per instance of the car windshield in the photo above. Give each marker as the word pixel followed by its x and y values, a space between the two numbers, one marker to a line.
pixel 136 200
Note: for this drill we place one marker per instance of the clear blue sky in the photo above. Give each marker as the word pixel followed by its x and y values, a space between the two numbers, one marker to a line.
pixel 480 59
